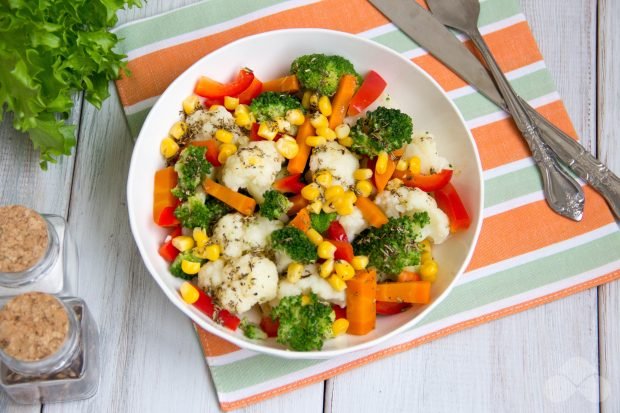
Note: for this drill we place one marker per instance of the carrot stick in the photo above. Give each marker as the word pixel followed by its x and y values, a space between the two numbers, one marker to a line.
pixel 340 103
pixel 408 276
pixel 165 180
pixel 298 163
pixel 381 180
pixel 240 202
pixel 414 292
pixel 285 84
pixel 398 152
pixel 299 202
pixel 301 220
pixel 212 150
pixel 371 212
pixel 361 310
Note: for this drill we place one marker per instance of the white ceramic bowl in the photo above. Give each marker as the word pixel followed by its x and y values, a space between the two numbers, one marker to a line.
pixel 269 55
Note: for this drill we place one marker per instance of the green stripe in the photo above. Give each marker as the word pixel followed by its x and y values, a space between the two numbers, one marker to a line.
pixel 186 20
pixel 490 12
pixel 136 120
pixel 511 185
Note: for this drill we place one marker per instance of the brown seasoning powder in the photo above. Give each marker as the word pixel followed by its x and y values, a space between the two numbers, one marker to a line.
pixel 23 238
pixel 33 326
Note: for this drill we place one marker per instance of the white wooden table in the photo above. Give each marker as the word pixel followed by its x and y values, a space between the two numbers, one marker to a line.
pixel 152 361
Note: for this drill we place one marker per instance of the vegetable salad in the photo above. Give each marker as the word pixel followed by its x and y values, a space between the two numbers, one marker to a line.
pixel 307 199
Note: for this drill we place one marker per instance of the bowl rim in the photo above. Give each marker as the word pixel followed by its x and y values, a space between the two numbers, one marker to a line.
pixel 257 347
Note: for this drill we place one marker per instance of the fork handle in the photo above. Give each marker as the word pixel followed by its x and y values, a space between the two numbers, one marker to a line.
pixel 563 194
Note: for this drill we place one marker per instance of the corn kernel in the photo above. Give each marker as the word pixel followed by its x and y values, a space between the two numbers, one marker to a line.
pixel 326 250
pixel 328 208
pixel 344 270
pixel 333 192
pixel 313 103
pixel 359 262
pixel 190 267
pixel 344 209
pixel 402 165
pixel 226 150
pixel 305 100
pixel 283 125
pixel 310 192
pixel 295 117
pixel 314 236
pixel 215 108
pixel 415 165
pixel 268 130
pixel 349 197
pixel 362 174
pixel 318 120
pixel 327 133
pixel 223 136
pixel 424 245
pixel 428 271
pixel 212 252
pixel 325 106
pixel 168 147
pixel 342 131
pixel 287 146
pixel 294 272
pixel 200 236
pixel 326 268
pixel 364 188
pixel 190 104
pixel 178 130
pixel 231 103
pixel 242 119
pixel 316 206
pixel 242 109
pixel 340 326
pixel 315 141
pixel 346 142
pixel 323 178
pixel 394 184
pixel 382 163
pixel 426 256
pixel 183 243
pixel 189 293
pixel 305 300
pixel 336 282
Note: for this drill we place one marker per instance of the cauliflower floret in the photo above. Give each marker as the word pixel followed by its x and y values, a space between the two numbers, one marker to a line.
pixel 241 283
pixel 237 234
pixel 311 282
pixel 423 146
pixel 406 201
pixel 204 123
pixel 282 260
pixel 253 167
pixel 353 223
pixel 336 159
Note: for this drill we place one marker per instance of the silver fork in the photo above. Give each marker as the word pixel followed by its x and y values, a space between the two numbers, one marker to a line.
pixel 562 193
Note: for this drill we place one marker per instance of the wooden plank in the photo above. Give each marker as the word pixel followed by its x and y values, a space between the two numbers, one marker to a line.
pixel 609 152
pixel 511 364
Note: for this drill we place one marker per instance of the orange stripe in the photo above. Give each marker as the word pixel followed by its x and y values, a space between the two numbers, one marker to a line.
pixel 534 226
pixel 513 47
pixel 213 345
pixel 500 142
pixel 153 73
pixel 422 340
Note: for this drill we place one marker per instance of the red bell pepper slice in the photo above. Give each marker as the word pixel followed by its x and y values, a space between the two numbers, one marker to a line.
pixel 341 312
pixel 387 308
pixel 336 232
pixel 371 88
pixel 211 89
pixel 167 250
pixel 289 184
pixel 228 320
pixel 269 326
pixel 344 250
pixel 166 217
pixel 254 132
pixel 205 303
pixel 255 89
pixel 449 201
pixel 427 183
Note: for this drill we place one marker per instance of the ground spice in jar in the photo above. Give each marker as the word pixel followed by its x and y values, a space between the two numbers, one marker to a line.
pixel 33 326
pixel 23 238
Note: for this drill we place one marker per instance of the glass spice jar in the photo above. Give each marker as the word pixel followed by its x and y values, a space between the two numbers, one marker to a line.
pixel 37 253
pixel 48 349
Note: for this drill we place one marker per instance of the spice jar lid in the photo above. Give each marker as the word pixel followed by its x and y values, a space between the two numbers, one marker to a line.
pixel 24 238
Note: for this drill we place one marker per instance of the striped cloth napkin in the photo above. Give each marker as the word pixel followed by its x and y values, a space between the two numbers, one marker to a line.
pixel 526 255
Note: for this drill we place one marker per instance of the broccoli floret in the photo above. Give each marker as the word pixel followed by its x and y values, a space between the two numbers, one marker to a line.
pixel 393 246
pixel 273 105
pixel 192 168
pixel 295 243
pixel 381 130
pixel 304 323
pixel 320 222
pixel 196 212
pixel 251 330
pixel 322 73
pixel 175 267
pixel 275 204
